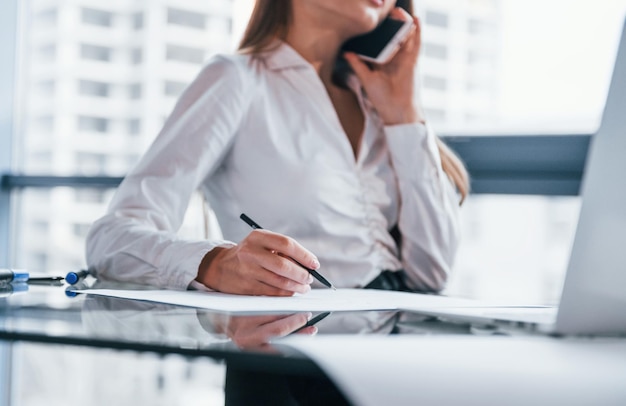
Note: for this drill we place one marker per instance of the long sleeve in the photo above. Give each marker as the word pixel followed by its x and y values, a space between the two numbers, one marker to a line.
pixel 429 206
pixel 136 240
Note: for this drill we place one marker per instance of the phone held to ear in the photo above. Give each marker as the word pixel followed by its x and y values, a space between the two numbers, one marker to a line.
pixel 381 44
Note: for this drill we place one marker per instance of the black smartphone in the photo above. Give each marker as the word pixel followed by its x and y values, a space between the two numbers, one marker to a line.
pixel 381 44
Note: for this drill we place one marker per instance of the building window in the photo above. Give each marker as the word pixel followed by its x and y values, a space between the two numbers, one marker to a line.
pixel 435 115
pixel 47 17
pixel 138 21
pixel 95 52
pixel 131 160
pixel 90 164
pixel 172 88
pixel 100 18
pixel 134 126
pixel 436 19
pixel 40 227
pixel 184 54
pixel 479 27
pixel 186 18
pixel 93 124
pixel 80 230
pixel 134 91
pixel 89 195
pixel 435 51
pixel 46 88
pixel 221 25
pixel 93 88
pixel 48 53
pixel 476 57
pixel 434 82
pixel 45 124
pixel 136 56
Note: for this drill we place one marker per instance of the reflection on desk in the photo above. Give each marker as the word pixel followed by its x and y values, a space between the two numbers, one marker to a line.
pixel 47 315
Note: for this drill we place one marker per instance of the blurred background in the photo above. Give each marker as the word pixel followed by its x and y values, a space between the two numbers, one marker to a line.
pixel 96 80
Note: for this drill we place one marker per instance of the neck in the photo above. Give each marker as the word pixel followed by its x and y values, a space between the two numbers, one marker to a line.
pixel 315 42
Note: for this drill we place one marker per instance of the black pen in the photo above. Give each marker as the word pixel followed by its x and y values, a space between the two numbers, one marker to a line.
pixel 312 322
pixel 313 272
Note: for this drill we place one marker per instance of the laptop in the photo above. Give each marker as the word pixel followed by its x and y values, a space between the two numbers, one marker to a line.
pixel 593 300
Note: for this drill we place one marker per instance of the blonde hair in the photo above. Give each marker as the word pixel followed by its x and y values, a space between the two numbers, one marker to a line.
pixel 271 20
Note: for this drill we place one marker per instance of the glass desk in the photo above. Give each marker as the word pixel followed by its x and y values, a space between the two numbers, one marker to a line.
pixel 49 315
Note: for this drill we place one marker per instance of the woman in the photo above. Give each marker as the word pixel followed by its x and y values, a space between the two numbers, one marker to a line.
pixel 333 165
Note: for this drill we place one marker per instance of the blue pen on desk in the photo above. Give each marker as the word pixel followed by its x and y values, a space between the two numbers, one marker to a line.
pixel 13 276
pixel 8 289
pixel 73 277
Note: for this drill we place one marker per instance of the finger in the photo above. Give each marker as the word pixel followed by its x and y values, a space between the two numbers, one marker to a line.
pixel 310 331
pixel 360 68
pixel 284 245
pixel 277 263
pixel 401 14
pixel 284 326
pixel 257 320
pixel 251 331
pixel 285 267
pixel 416 37
pixel 411 46
pixel 276 281
pixel 263 289
pixel 251 283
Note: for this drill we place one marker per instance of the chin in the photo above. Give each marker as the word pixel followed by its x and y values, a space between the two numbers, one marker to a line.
pixel 365 22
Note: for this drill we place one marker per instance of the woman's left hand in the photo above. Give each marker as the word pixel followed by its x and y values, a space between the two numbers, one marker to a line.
pixel 390 87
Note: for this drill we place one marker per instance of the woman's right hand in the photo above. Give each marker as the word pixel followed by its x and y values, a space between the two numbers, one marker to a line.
pixel 261 264
pixel 258 331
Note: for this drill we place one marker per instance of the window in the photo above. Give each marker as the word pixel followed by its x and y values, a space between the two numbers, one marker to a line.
pixel 220 25
pixel 137 21
pixel 93 16
pixel 186 18
pixel 436 19
pixel 47 17
pixel 44 124
pixel 435 51
pixel 93 124
pixel 46 88
pixel 80 230
pixel 88 163
pixel 136 56
pixel 134 91
pixel 479 27
pixel 93 88
pixel 95 52
pixel 41 227
pixel 480 57
pixel 47 53
pixel 172 88
pixel 434 82
pixel 184 54
pixel 88 195
pixel 134 126
pixel 435 115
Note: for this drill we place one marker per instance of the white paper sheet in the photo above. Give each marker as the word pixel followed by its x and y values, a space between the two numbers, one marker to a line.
pixel 316 300
pixel 470 370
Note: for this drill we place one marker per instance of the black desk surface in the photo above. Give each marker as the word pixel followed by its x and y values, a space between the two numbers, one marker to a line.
pixel 47 314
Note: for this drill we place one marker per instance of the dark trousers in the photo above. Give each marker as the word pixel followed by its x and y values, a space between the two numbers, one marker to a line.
pixel 245 388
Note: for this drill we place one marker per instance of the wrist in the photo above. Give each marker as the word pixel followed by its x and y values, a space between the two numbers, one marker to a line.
pixel 208 270
pixel 403 116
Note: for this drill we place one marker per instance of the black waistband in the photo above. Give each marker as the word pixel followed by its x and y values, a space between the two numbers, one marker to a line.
pixel 390 280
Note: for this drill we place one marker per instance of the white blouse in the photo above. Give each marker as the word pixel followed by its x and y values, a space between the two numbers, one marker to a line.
pixel 259 135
